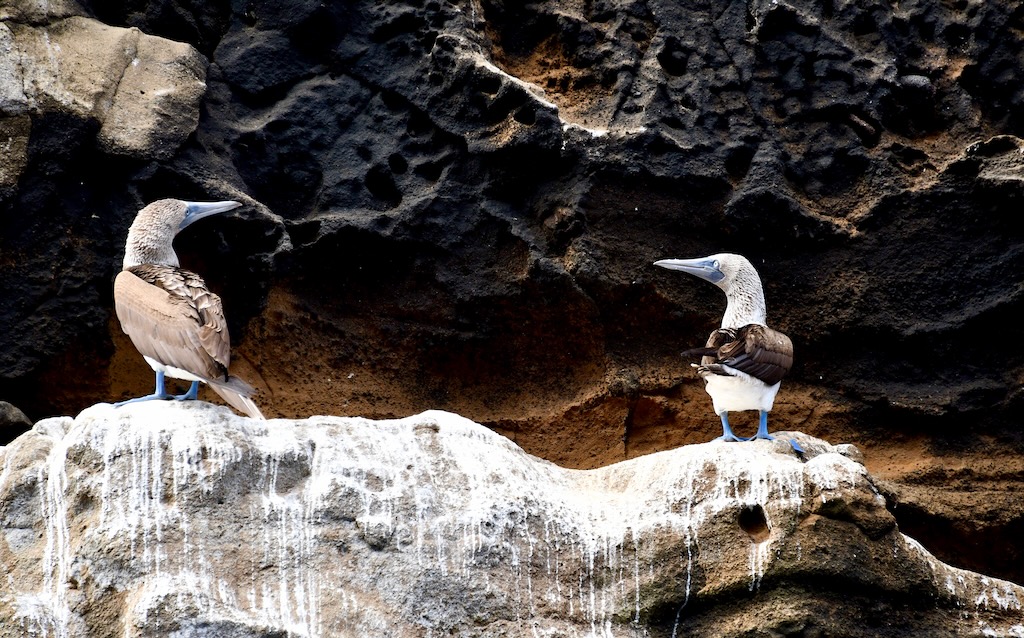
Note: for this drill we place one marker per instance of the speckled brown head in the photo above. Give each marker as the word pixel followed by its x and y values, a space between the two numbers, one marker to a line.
pixel 151 236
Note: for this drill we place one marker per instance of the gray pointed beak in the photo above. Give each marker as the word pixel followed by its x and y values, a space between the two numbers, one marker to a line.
pixel 704 268
pixel 198 210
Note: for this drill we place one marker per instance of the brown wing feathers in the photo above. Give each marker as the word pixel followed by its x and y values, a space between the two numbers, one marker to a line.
pixel 757 350
pixel 173 318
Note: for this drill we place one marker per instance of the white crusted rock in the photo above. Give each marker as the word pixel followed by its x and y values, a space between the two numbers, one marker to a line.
pixel 180 518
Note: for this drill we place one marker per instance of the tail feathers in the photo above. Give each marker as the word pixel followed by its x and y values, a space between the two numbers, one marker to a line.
pixel 236 392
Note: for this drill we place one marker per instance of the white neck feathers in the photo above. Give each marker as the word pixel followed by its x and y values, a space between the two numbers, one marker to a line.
pixel 745 299
pixel 149 241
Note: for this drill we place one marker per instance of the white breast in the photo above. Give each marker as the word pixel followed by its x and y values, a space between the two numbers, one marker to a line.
pixel 739 393
pixel 171 371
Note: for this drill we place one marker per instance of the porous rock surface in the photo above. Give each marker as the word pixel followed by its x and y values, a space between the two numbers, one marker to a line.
pixel 186 520
pixel 455 205
pixel 142 91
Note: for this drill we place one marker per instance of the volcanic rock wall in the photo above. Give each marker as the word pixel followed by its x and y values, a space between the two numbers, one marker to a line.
pixel 455 205
pixel 167 519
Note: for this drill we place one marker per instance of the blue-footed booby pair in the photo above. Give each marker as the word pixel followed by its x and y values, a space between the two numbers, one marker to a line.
pixel 173 319
pixel 744 360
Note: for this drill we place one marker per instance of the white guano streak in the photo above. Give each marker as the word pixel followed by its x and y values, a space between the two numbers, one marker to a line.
pixel 461 483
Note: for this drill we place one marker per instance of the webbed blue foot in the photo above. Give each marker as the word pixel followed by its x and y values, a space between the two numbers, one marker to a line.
pixel 148 397
pixel 191 395
pixel 762 427
pixel 762 433
pixel 727 433
pixel 160 393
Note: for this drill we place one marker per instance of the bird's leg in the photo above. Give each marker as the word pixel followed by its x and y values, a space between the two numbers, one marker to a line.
pixel 191 395
pixel 762 427
pixel 762 433
pixel 158 392
pixel 727 434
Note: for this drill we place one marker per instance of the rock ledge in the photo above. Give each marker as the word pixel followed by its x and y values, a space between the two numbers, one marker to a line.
pixel 184 519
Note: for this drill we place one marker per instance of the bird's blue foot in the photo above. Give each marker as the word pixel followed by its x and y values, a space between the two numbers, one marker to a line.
pixel 762 433
pixel 762 427
pixel 148 397
pixel 727 433
pixel 732 438
pixel 191 395
pixel 160 393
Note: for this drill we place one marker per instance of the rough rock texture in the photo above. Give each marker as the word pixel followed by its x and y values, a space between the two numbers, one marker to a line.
pixel 186 520
pixel 455 205
pixel 143 91
pixel 13 420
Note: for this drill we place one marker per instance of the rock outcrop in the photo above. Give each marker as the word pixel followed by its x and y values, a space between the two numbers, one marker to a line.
pixel 455 205
pixel 186 520
pixel 142 91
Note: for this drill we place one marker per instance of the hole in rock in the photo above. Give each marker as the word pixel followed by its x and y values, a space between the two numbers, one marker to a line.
pixel 672 58
pixel 754 523
pixel 431 170
pixel 738 160
pixel 381 185
pixel 489 84
pixel 303 233
pixel 526 115
pixel 419 124
pixel 397 163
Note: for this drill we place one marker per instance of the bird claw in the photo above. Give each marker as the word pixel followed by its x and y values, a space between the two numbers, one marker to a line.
pixel 191 395
pixel 148 397
pixel 792 442
pixel 732 438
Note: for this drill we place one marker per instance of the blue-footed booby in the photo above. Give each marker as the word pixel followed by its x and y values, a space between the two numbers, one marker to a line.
pixel 744 360
pixel 173 319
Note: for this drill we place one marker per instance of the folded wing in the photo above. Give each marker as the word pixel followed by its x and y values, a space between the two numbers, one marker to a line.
pixel 754 349
pixel 173 318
